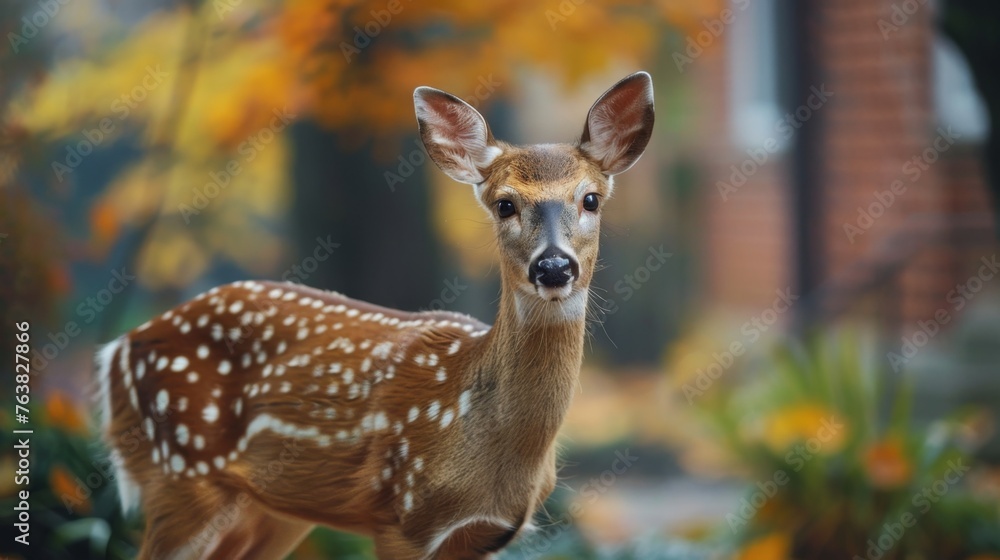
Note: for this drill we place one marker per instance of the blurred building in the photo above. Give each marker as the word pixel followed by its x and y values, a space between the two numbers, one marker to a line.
pixel 876 205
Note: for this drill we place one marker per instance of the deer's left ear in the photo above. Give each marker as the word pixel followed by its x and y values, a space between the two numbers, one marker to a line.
pixel 620 124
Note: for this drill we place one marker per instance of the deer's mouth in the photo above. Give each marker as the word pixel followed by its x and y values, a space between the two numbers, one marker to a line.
pixel 550 304
pixel 554 293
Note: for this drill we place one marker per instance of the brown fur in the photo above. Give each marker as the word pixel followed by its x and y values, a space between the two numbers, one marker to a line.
pixel 525 382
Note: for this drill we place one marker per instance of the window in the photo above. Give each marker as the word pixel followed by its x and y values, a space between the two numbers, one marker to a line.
pixel 755 98
pixel 956 99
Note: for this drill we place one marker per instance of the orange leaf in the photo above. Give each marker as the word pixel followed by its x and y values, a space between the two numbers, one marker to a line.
pixel 63 413
pixel 774 546
pixel 887 465
pixel 68 490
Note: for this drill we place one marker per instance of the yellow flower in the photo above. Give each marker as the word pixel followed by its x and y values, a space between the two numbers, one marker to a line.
pixel 774 546
pixel 887 465
pixel 63 413
pixel 821 429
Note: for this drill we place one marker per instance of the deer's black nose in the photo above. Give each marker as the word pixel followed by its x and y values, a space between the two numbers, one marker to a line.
pixel 553 269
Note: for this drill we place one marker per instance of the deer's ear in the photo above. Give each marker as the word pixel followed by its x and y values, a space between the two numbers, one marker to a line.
pixel 455 134
pixel 620 124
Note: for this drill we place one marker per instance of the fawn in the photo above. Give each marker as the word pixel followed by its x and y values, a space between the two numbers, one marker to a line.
pixel 243 418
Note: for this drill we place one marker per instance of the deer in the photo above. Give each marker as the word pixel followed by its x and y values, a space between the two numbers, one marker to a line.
pixel 243 418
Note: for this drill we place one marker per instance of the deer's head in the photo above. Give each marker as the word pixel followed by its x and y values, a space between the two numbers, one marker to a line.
pixel 545 199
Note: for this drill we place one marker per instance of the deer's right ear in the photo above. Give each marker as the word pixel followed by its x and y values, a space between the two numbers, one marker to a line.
pixel 455 134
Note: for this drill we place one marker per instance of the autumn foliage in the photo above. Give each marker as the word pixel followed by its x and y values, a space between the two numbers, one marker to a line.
pixel 197 89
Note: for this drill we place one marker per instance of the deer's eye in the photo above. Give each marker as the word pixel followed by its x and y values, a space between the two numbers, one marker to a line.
pixel 591 202
pixel 505 208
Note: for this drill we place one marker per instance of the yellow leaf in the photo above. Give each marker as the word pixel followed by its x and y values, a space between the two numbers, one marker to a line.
pixel 774 546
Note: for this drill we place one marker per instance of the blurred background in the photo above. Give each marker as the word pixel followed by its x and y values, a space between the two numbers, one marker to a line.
pixel 798 350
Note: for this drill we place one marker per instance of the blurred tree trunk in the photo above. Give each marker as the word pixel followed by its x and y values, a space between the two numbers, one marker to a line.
pixel 386 250
pixel 974 25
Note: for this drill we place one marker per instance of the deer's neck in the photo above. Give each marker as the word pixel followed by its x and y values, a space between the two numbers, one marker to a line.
pixel 530 368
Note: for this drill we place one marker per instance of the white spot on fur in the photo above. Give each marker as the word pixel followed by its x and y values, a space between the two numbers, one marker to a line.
pixel 271 423
pixel 464 403
pixel 180 363
pixel 381 350
pixel 182 434
pixel 162 400
pixel 446 417
pixel 105 358
pixel 210 413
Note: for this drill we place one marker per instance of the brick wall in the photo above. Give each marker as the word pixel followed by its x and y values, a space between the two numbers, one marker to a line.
pixel 900 261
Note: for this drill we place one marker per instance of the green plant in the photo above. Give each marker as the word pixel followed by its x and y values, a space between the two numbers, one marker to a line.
pixel 841 470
